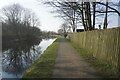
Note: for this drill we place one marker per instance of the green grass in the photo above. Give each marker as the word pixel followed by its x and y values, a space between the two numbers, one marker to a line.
pixel 43 67
pixel 103 68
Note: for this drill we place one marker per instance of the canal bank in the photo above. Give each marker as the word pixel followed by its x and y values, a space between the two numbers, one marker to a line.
pixel 43 67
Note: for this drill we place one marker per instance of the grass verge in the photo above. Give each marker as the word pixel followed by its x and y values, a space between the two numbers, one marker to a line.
pixel 103 68
pixel 43 67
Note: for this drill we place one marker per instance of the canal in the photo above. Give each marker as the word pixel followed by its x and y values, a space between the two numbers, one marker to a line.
pixel 17 57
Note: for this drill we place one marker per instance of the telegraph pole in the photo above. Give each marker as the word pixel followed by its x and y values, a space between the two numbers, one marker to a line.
pixel 118 15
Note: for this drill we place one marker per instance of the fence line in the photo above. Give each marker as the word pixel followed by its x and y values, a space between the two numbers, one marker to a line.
pixel 103 44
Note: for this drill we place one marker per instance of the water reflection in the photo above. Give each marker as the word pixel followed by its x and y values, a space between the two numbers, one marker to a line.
pixel 18 56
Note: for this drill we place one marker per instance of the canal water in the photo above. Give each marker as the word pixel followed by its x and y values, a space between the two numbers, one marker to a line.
pixel 18 57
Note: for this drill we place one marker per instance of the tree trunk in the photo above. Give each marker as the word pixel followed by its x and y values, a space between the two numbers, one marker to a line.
pixel 74 21
pixel 105 20
pixel 83 21
pixel 94 9
pixel 88 15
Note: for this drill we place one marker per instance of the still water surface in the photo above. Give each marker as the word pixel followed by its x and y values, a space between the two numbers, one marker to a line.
pixel 18 57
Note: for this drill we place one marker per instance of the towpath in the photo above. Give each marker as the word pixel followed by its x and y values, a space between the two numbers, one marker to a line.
pixel 69 64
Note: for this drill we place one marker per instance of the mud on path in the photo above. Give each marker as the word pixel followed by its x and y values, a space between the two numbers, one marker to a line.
pixel 69 64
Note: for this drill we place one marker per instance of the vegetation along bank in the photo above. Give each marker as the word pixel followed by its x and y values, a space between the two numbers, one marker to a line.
pixel 43 67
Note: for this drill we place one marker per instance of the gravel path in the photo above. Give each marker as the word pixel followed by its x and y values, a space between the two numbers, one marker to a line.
pixel 69 64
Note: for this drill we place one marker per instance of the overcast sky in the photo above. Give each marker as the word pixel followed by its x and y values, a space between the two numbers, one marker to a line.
pixel 47 19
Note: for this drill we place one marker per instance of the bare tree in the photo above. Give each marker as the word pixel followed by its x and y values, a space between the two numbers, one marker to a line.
pixel 64 27
pixel 30 19
pixel 66 9
pixel 20 21
pixel 85 12
pixel 34 20
pixel 13 13
pixel 17 14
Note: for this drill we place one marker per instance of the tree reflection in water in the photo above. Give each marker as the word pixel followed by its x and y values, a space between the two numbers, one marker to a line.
pixel 18 56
